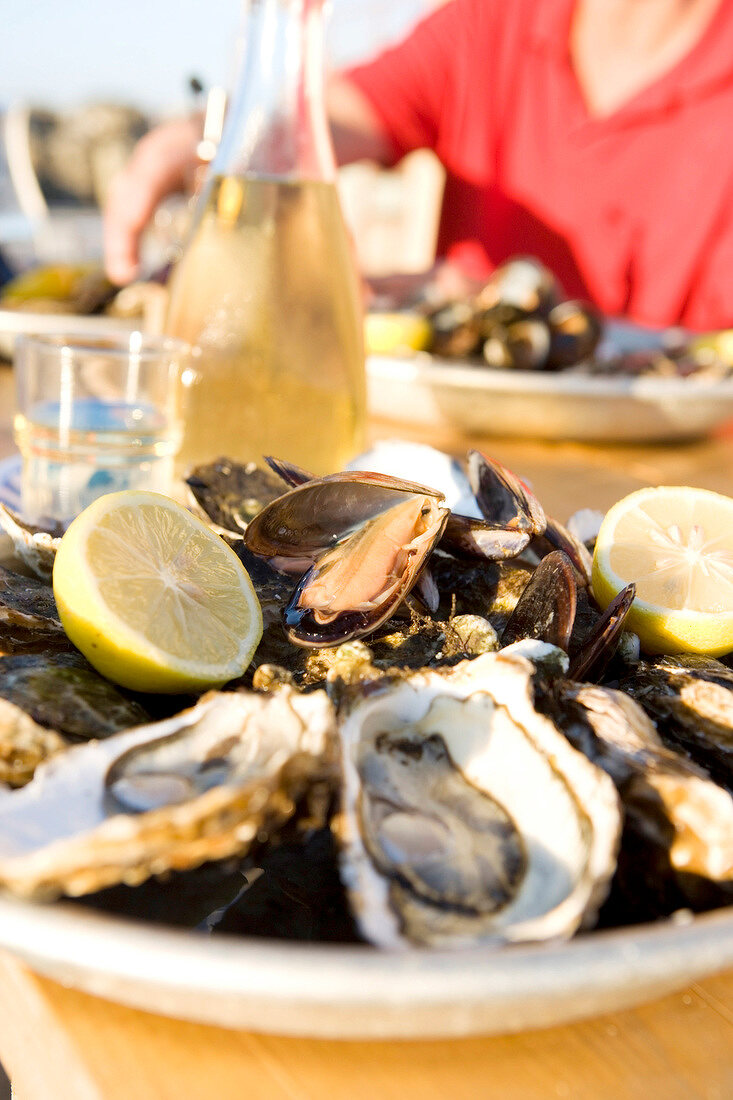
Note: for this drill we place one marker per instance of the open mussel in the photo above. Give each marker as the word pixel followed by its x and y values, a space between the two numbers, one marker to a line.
pixel 359 541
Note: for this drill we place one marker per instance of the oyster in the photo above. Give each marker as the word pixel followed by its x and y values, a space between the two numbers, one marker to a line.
pixel 467 816
pixel 23 745
pixel 202 785
pixel 231 493
pixel 677 845
pixel 33 546
pixel 29 621
pixel 62 691
pixel 690 698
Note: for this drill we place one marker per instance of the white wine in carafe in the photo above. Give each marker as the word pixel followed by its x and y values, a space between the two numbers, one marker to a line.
pixel 268 292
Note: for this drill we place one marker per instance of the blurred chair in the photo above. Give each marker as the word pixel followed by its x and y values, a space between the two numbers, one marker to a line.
pixel 393 213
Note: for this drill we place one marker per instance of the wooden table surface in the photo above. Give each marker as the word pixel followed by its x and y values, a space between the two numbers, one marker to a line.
pixel 62 1044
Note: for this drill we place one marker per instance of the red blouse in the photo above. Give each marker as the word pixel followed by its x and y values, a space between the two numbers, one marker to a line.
pixel 633 210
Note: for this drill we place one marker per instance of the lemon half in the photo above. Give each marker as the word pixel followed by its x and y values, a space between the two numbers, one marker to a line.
pixel 153 598
pixel 676 544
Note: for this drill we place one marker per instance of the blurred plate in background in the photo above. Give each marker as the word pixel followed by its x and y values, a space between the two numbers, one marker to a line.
pixel 543 405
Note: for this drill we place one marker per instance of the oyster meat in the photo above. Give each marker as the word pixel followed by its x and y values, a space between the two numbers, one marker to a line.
pixel 467 816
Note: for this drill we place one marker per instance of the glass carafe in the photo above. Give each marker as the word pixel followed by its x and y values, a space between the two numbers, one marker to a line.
pixel 267 286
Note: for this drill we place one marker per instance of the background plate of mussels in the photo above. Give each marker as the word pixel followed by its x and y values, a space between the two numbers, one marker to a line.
pixel 613 837
pixel 520 359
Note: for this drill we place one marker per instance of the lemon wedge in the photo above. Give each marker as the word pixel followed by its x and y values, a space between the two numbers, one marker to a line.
pixel 676 544
pixel 153 598
pixel 396 333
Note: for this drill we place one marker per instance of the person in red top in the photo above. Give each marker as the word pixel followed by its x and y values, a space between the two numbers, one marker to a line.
pixel 592 134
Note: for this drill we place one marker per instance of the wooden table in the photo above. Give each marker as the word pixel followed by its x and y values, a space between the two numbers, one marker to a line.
pixel 61 1044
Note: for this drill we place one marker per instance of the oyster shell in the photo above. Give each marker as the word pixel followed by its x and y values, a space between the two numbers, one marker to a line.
pixel 677 845
pixel 690 698
pixel 23 745
pixel 467 816
pixel 29 620
pixel 62 691
pixel 203 785
pixel 231 493
pixel 33 546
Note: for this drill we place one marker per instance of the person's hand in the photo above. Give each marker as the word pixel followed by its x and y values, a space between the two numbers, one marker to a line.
pixel 162 163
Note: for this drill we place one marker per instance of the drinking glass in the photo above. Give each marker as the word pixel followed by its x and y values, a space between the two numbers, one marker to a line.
pixel 95 415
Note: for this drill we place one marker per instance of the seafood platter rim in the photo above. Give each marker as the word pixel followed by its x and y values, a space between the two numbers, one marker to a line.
pixel 320 990
pixel 347 991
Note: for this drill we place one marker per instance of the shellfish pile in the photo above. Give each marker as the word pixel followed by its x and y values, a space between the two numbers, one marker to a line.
pixel 441 740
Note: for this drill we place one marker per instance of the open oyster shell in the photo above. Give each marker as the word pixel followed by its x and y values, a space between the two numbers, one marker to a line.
pixel 467 816
pixel 206 783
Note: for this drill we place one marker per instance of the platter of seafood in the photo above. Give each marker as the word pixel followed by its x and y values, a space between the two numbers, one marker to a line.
pixel 450 794
pixel 517 358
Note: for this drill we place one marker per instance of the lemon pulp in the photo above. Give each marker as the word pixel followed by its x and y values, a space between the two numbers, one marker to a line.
pixel 676 544
pixel 152 597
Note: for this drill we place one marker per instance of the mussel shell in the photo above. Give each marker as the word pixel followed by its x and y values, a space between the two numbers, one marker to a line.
pixel 467 537
pixel 291 474
pixel 575 331
pixel 456 330
pixel 599 646
pixel 522 345
pixel 522 282
pixel 312 518
pixel 546 608
pixel 503 498
pixel 557 537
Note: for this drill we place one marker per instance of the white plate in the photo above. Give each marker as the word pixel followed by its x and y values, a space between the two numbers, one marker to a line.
pixel 543 405
pixel 348 992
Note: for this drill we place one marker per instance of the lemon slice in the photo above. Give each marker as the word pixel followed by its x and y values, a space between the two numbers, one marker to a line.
pixel 152 597
pixel 676 544
pixel 396 333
